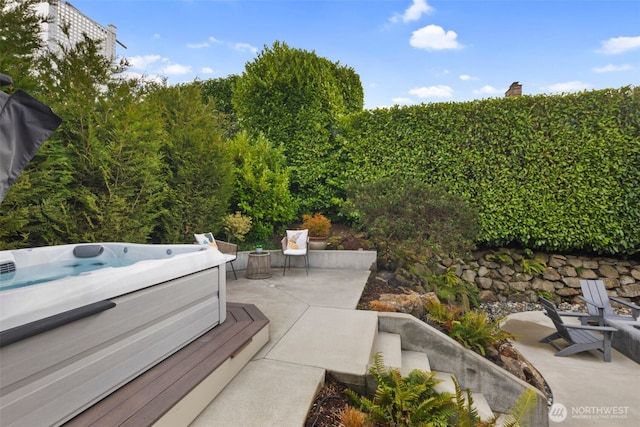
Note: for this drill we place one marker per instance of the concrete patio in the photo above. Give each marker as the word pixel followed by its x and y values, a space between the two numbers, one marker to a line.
pixel 278 386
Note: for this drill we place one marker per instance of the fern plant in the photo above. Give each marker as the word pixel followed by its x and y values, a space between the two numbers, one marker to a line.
pixel 520 413
pixel 450 287
pixel 473 329
pixel 467 415
pixel 404 401
pixel 412 401
pixel 502 256
pixel 533 265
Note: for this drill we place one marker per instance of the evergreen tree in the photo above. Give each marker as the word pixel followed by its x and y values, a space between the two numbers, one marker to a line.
pixel 261 185
pixel 295 99
pixel 198 170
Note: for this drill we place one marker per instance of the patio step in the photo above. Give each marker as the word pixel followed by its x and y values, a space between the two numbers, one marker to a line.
pixel 482 406
pixel 390 347
pixel 414 360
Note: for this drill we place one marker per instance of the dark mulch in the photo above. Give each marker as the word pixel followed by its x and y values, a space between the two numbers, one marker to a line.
pixel 328 405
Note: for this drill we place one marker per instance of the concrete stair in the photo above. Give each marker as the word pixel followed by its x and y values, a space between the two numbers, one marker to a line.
pixel 389 345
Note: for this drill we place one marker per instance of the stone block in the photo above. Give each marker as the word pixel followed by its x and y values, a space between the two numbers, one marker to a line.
pixel 627 280
pixel 500 285
pixel 494 274
pixel 629 291
pixel 590 263
pixel 489 264
pixel 609 271
pixel 551 274
pixel 572 282
pixel 574 262
pixel 482 271
pixel 487 296
pixel 567 271
pixel 587 274
pixel 635 273
pixel 544 285
pixel 469 275
pixel 567 292
pixel 517 298
pixel 557 261
pixel 484 282
pixel 519 286
pixel 505 270
pixel 522 277
pixel 622 269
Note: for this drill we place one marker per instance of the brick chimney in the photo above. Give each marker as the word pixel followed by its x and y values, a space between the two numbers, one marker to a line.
pixel 514 90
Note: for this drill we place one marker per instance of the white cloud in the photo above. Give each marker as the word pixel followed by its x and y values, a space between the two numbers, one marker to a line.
pixel 207 70
pixel 617 45
pixel 245 47
pixel 156 36
pixel 574 86
pixel 176 69
pixel 197 45
pixel 142 62
pixel 148 78
pixel 610 68
pixel 413 12
pixel 214 40
pixel 488 90
pixel 373 85
pixel 466 77
pixel 433 37
pixel 401 100
pixel 439 91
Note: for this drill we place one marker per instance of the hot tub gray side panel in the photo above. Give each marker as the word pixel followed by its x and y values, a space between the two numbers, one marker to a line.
pixel 49 378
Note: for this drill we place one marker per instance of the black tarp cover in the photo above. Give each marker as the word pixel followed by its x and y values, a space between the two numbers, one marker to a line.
pixel 25 123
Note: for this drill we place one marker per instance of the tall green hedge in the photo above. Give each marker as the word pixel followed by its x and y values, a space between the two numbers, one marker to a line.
pixel 558 173
pixel 294 98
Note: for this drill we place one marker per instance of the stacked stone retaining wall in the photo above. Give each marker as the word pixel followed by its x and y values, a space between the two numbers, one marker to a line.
pixel 501 276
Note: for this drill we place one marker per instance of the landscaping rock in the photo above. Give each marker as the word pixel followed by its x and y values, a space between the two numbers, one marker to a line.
pixel 411 303
pixel 587 274
pixel 567 271
pixel 609 271
pixel 629 291
pixel 551 274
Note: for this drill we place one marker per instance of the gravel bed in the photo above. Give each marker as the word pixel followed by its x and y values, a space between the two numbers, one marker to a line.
pixel 496 310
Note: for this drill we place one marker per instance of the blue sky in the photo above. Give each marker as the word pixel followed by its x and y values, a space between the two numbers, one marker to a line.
pixel 405 51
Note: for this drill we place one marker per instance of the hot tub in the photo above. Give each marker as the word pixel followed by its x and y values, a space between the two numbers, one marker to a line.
pixel 79 321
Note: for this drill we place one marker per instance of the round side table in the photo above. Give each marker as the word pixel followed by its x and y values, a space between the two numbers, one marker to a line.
pixel 258 265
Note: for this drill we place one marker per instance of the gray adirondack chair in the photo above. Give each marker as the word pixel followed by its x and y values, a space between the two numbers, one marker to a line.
pixel 579 337
pixel 594 294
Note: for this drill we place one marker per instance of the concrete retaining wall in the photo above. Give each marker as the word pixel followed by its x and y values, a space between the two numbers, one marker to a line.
pixel 339 260
pixel 500 388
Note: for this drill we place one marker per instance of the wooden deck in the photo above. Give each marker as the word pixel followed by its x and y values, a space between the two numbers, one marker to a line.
pixel 144 400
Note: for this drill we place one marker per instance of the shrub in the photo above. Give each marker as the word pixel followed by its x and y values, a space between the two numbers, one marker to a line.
pixel 318 225
pixel 261 184
pixel 473 329
pixel 397 209
pixel 236 226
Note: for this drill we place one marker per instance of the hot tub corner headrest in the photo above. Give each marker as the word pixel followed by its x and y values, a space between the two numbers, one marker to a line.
pixel 88 251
